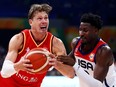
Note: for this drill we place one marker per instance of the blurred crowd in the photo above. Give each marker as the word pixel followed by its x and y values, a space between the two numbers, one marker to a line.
pixel 2 55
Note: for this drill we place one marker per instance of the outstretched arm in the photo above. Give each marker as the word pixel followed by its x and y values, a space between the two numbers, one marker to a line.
pixel 59 49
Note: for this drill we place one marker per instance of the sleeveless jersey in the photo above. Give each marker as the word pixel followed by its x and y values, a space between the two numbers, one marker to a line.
pixel 87 62
pixel 22 78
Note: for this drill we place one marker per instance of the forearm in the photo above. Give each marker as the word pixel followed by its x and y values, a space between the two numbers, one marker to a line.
pixel 89 80
pixel 7 69
pixel 65 70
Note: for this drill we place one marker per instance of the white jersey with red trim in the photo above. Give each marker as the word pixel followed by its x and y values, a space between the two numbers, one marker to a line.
pixel 87 61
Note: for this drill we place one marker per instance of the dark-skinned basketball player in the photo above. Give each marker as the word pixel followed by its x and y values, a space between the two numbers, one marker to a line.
pixel 91 58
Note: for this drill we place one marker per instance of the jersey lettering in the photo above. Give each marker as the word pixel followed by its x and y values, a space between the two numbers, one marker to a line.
pixel 25 78
pixel 85 64
pixel 33 79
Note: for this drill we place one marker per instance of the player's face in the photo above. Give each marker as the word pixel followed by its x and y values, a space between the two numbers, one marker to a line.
pixel 87 32
pixel 40 22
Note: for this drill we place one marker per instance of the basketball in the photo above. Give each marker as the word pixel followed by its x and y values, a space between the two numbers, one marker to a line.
pixel 39 59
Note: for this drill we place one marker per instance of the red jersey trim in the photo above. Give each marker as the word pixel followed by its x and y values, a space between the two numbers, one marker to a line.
pixel 24 41
pixel 34 40
pixel 51 39
pixel 91 55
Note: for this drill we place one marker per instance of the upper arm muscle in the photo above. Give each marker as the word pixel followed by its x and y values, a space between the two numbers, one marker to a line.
pixel 58 47
pixel 14 45
pixel 104 59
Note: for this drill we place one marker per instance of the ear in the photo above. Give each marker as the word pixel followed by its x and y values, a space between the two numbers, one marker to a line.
pixel 30 22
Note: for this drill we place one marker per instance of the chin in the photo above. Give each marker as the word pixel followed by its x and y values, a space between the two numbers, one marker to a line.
pixel 83 41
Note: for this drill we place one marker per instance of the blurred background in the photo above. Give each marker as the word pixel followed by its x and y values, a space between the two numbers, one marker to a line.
pixel 64 20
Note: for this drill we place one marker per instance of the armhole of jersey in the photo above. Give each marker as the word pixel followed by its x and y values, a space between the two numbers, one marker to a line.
pixel 97 51
pixel 24 37
pixel 51 45
pixel 75 47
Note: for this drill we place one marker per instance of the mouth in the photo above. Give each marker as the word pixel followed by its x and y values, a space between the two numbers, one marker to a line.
pixel 83 40
pixel 43 28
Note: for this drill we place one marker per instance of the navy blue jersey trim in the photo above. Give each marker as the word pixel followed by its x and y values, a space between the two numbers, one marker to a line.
pixel 76 44
pixel 106 83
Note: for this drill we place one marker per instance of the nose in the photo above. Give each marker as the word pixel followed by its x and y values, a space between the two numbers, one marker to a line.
pixel 81 33
pixel 44 20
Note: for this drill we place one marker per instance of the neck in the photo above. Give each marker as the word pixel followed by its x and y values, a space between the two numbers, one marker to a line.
pixel 85 47
pixel 38 37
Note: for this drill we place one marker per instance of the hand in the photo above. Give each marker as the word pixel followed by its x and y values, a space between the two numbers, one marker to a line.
pixel 24 65
pixel 53 60
pixel 66 60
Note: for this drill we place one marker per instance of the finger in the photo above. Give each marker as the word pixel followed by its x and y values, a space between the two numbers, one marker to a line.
pixel 59 58
pixel 52 60
pixel 52 55
pixel 26 61
pixel 30 70
pixel 51 63
pixel 28 65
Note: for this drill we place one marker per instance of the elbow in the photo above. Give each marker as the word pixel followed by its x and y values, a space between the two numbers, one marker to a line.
pixel 71 75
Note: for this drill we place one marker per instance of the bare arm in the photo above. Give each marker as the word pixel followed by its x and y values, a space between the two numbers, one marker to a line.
pixel 70 59
pixel 9 64
pixel 59 49
pixel 14 46
pixel 104 58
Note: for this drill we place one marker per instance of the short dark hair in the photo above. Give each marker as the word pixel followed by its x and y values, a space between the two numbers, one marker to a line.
pixel 38 8
pixel 94 20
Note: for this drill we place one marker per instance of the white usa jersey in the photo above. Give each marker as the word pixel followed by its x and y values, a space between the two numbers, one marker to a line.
pixel 87 62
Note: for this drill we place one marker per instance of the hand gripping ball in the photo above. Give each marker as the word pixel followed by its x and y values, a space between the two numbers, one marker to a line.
pixel 39 59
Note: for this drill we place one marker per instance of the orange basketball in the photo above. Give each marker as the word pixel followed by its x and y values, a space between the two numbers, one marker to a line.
pixel 39 59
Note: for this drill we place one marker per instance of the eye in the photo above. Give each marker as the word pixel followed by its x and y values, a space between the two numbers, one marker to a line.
pixel 46 18
pixel 39 18
pixel 85 30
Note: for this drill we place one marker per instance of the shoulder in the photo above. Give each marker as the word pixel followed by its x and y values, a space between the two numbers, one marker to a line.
pixel 58 47
pixel 105 54
pixel 74 41
pixel 57 40
pixel 16 37
pixel 105 50
pixel 16 41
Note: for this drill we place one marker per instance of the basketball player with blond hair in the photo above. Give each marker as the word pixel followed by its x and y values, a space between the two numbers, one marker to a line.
pixel 16 69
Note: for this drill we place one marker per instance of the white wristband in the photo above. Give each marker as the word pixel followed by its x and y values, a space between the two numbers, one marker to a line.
pixel 7 69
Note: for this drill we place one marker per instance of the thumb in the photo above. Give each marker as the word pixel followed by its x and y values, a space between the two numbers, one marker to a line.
pixel 52 55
